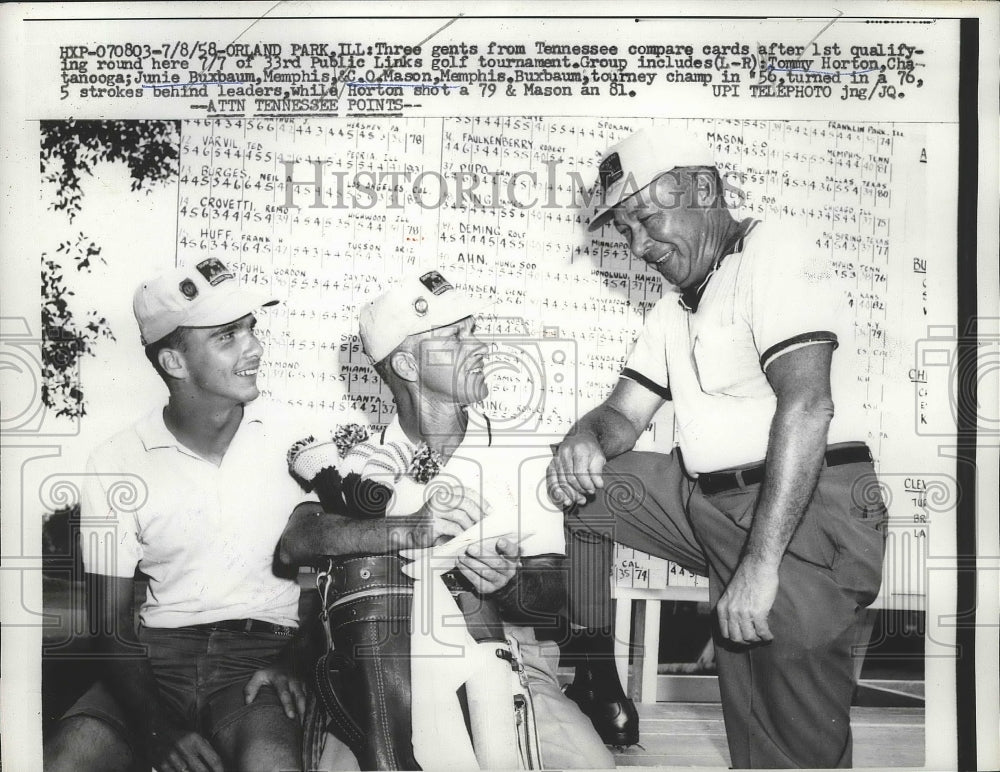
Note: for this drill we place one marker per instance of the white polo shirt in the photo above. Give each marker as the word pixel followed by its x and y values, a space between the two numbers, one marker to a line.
pixel 770 297
pixel 204 534
pixel 511 480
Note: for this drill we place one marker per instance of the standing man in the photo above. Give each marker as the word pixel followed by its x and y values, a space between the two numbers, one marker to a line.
pixel 194 496
pixel 769 492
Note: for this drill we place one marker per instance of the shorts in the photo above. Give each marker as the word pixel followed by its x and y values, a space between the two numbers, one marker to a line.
pixel 201 675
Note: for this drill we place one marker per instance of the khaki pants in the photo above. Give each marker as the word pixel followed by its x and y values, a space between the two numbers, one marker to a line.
pixel 786 703
pixel 567 738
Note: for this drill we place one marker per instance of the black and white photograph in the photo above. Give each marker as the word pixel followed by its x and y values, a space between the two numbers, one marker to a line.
pixel 499 386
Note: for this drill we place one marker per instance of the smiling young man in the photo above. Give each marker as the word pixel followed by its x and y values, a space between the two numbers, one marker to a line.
pixel 194 497
pixel 769 492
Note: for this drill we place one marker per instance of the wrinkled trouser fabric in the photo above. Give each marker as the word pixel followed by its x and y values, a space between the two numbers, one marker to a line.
pixel 786 703
pixel 567 738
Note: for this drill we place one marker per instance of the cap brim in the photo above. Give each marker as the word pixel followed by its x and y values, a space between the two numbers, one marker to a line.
pixel 601 219
pixel 605 214
pixel 619 192
pixel 229 308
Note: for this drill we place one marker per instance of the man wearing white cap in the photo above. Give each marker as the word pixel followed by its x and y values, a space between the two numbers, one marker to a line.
pixel 769 492
pixel 193 495
pixel 421 337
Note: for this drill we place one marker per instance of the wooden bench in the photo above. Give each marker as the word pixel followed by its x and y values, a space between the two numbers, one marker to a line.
pixel 645 646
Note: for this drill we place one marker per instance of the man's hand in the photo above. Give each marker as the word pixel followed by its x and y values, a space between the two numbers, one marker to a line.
pixel 290 690
pixel 801 383
pixel 574 472
pixel 610 429
pixel 178 750
pixel 744 606
pixel 490 564
pixel 444 516
pixel 170 748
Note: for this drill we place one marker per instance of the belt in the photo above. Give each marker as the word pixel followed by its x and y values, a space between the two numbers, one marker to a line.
pixel 369 572
pixel 245 626
pixel 380 573
pixel 720 482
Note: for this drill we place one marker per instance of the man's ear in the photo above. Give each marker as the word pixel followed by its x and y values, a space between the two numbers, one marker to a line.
pixel 705 189
pixel 172 362
pixel 404 365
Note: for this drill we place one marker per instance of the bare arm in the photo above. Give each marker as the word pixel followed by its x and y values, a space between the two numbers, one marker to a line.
pixel 608 430
pixel 312 534
pixel 801 383
pixel 130 678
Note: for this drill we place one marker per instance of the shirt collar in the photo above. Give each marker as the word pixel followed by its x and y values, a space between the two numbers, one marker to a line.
pixel 690 298
pixel 153 431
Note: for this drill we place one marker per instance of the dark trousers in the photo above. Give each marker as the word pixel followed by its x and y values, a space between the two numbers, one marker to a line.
pixel 200 675
pixel 786 703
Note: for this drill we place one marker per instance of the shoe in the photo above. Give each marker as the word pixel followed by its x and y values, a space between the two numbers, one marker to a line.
pixel 615 718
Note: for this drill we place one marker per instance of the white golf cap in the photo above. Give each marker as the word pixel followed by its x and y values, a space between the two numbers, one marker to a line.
pixel 639 159
pixel 419 303
pixel 203 295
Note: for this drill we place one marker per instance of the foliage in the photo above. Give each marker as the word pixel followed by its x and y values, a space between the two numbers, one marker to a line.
pixel 64 339
pixel 61 544
pixel 69 148
pixel 151 149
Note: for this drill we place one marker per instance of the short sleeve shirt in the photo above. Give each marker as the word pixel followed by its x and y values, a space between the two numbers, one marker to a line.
pixel 205 535
pixel 770 297
pixel 510 480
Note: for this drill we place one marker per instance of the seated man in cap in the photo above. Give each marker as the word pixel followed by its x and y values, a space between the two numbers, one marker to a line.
pixel 194 496
pixel 421 337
